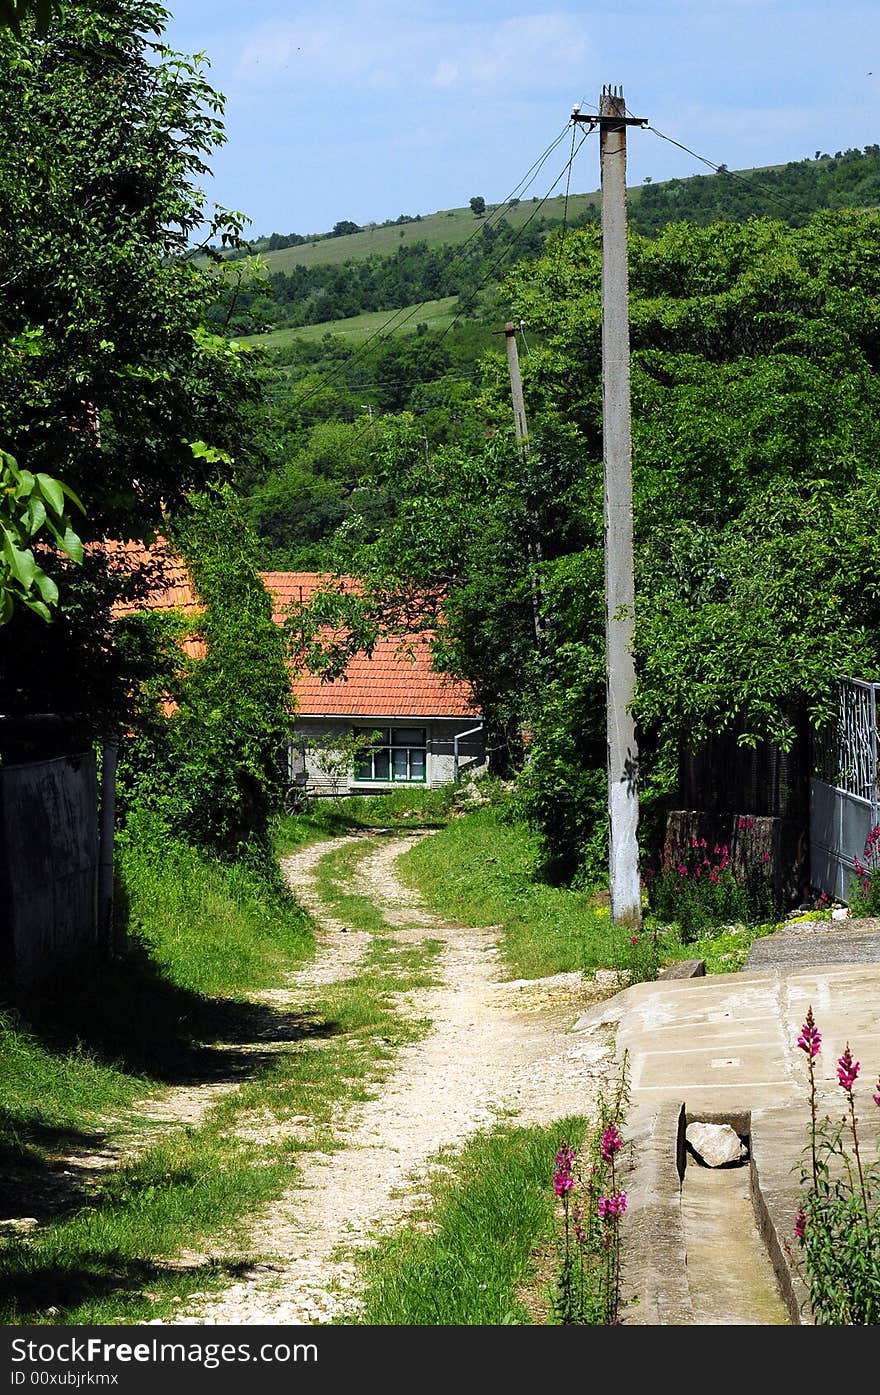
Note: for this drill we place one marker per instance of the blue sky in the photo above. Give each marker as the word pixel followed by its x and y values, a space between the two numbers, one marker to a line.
pixel 370 109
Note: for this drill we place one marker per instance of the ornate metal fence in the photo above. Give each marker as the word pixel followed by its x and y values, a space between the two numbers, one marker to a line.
pixel 844 796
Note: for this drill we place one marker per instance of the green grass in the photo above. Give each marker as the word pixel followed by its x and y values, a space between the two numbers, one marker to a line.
pixel 335 883
pixel 481 871
pixel 436 314
pixel 330 818
pixel 454 225
pixel 471 1256
pixel 212 928
pixel 195 1187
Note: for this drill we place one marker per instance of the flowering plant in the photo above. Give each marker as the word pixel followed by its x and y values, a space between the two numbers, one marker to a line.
pixel 593 1202
pixel 704 890
pixel 864 890
pixel 837 1226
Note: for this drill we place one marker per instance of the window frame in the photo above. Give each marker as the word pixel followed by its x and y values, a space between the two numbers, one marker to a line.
pixel 389 746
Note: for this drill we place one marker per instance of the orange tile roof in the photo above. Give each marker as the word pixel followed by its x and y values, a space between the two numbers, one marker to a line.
pixel 173 587
pixel 398 680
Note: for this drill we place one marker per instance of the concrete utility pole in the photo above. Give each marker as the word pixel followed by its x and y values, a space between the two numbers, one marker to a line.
pixel 623 755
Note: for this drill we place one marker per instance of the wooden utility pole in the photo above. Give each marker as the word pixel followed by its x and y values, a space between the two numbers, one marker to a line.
pixel 516 392
pixel 522 440
pixel 623 755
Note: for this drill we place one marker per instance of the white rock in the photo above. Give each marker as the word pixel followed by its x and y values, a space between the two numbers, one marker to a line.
pixel 715 1144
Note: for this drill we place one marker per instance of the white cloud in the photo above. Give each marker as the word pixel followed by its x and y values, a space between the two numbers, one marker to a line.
pixel 526 53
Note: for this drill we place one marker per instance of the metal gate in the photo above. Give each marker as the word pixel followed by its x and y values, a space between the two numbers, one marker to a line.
pixel 844 803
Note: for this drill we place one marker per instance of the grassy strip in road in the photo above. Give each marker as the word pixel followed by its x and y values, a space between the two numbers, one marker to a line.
pixel 472 1257
pixel 335 883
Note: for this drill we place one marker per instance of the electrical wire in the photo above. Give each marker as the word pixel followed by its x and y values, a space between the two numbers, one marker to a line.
pixel 565 208
pixel 507 250
pixel 752 184
pixel 401 316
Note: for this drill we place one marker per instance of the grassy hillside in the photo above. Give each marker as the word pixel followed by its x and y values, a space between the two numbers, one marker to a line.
pixel 454 225
pixel 436 314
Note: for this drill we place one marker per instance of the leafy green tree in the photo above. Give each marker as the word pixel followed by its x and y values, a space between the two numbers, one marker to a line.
pixel 478 206
pixel 108 379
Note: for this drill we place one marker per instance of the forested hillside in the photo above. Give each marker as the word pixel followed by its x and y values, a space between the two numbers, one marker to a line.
pixel 326 394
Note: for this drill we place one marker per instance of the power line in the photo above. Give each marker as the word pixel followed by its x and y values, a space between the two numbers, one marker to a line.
pixel 500 210
pixel 507 250
pixel 750 183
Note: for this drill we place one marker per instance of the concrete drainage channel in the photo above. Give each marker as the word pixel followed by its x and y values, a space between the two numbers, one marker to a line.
pixel 700 1247
pixel 730 1274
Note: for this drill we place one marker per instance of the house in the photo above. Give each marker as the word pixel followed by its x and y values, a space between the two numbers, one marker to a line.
pixel 418 726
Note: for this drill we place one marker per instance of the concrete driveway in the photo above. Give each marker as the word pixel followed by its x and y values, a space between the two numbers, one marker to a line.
pixel 724 1049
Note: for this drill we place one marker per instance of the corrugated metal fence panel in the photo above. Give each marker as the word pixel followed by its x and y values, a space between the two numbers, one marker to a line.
pixel 49 847
pixel 839 824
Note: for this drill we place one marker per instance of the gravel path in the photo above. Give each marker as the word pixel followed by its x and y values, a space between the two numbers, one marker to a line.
pixel 495 1050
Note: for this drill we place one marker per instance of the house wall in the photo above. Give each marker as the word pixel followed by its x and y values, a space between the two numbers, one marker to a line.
pixel 440 762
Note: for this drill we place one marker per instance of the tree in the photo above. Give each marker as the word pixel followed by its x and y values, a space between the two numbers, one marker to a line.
pixel 107 376
pixel 478 205
pixel 29 504
pixel 344 227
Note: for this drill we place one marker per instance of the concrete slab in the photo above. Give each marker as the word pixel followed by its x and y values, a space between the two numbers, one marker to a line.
pixel 725 1048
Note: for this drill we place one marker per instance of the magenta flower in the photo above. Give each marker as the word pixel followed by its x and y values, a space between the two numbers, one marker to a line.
pixel 611 1206
pixel 810 1038
pixel 800 1224
pixel 562 1178
pixel 847 1070
pixel 612 1142
pixel 876 1098
pixel 633 939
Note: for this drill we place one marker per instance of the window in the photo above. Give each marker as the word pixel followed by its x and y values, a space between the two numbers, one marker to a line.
pixel 398 756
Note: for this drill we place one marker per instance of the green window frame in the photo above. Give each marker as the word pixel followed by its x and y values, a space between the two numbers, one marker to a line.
pixel 399 757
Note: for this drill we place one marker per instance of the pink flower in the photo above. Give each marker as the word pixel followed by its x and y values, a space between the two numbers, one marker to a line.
pixel 800 1224
pixel 633 939
pixel 612 1142
pixel 682 870
pixel 694 843
pixel 562 1178
pixel 876 1098
pixel 611 1206
pixel 810 1038
pixel 766 857
pixel 847 1070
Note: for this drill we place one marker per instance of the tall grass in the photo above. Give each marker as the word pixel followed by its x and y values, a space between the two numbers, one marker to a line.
pixel 471 1259
pixel 482 871
pixel 211 927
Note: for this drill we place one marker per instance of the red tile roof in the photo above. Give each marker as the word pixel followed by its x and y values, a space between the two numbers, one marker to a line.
pixel 398 680
pixel 173 588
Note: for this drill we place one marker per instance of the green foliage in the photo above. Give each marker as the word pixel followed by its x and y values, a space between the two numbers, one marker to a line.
pixel 28 504
pixel 213 770
pixel 106 375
